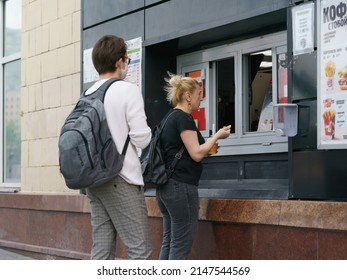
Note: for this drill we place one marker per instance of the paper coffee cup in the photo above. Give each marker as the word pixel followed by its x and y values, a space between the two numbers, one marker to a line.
pixel 214 149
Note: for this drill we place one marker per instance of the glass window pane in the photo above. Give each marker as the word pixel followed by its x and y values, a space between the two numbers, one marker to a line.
pixel 259 114
pixel 12 137
pixel 12 26
pixel 226 93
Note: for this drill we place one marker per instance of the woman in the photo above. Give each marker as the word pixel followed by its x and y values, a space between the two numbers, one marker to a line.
pixel 178 199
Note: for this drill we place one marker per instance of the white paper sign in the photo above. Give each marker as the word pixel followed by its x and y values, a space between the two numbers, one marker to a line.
pixel 135 54
pixel 303 28
pixel 89 72
pixel 134 68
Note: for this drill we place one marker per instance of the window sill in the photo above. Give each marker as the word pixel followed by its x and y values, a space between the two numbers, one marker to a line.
pixel 9 189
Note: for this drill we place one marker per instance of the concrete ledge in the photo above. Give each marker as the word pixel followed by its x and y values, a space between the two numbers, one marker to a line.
pixel 293 213
pixel 51 226
pixel 302 214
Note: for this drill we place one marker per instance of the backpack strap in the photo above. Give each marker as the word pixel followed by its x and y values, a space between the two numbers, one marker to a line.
pixel 178 156
pixel 126 145
pixel 101 91
pixel 163 122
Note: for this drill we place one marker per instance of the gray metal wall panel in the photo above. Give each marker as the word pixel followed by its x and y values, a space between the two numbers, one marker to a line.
pixel 151 2
pixel 96 11
pixel 177 18
pixel 319 175
pixel 128 27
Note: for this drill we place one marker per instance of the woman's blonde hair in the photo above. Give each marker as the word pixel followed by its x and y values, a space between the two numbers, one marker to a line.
pixel 177 85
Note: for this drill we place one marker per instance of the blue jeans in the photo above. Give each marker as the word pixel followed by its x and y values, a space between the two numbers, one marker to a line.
pixel 179 204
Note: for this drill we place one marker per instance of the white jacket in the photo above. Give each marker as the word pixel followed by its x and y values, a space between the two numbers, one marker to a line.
pixel 125 114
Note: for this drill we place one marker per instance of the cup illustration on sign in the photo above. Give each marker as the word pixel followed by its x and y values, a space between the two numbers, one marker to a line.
pixel 330 70
pixel 343 78
pixel 329 123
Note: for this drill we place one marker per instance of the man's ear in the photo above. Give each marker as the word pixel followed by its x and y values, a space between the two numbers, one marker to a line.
pixel 118 63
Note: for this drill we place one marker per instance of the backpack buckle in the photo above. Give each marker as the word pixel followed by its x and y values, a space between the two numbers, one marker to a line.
pixel 178 156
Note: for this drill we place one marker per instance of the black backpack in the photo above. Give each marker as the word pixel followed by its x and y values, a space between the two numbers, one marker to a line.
pixel 152 161
pixel 88 156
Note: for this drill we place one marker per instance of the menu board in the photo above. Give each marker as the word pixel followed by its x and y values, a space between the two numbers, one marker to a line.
pixel 134 68
pixel 134 73
pixel 332 74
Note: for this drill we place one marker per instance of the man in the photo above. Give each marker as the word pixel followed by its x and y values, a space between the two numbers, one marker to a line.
pixel 119 205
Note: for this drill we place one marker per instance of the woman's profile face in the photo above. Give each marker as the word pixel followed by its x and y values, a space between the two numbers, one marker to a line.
pixel 196 97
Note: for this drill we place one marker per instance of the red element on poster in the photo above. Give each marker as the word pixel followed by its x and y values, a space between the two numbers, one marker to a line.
pixel 200 116
pixel 197 75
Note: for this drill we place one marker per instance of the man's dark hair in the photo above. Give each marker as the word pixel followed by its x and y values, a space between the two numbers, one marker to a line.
pixel 107 50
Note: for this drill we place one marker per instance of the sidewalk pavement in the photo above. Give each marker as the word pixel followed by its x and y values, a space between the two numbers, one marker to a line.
pixel 8 255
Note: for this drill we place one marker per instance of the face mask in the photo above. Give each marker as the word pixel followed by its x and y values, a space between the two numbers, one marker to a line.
pixel 124 71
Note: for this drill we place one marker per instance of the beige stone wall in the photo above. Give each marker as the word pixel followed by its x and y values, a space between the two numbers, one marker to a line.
pixel 50 81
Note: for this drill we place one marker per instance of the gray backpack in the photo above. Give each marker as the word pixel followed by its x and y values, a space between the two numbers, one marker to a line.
pixel 88 156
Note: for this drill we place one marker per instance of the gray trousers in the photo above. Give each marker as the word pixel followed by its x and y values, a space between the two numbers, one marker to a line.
pixel 118 207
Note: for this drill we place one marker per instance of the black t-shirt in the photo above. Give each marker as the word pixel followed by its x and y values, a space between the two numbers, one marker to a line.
pixel 186 170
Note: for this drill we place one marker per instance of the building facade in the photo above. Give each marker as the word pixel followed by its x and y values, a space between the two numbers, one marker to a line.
pixel 262 197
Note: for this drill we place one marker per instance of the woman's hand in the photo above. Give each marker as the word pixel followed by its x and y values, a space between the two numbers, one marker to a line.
pixel 198 152
pixel 223 132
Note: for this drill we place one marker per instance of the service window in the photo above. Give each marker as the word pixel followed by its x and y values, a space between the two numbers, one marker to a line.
pixel 225 93
pixel 241 83
pixel 260 69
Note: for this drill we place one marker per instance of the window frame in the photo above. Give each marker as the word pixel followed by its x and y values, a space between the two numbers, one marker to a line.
pixel 241 142
pixel 3 61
